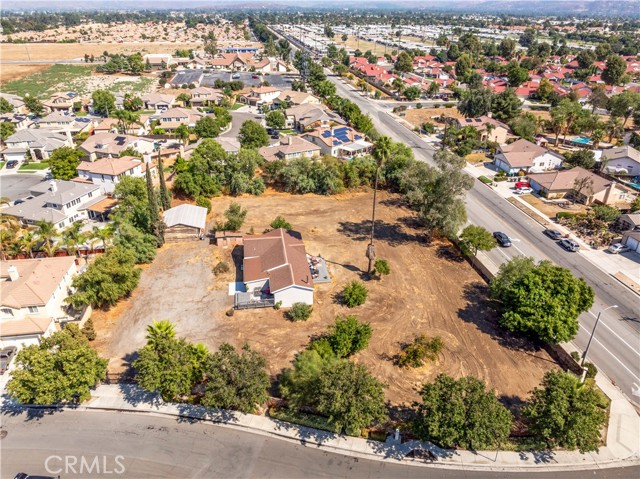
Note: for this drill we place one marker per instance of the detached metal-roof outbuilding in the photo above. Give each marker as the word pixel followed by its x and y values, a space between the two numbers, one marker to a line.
pixel 185 222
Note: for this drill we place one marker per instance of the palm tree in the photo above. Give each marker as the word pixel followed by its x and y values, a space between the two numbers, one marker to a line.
pixel 7 238
pixel 47 233
pixel 104 234
pixel 159 330
pixel 615 129
pixel 182 133
pixel 73 238
pixel 596 137
pixel 28 242
pixel 381 153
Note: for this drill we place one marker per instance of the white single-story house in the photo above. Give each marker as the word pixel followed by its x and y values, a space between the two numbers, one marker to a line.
pixel 624 160
pixel 522 155
pixel 275 265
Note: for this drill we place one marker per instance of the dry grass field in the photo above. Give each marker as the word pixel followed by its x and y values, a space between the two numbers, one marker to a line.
pixel 431 290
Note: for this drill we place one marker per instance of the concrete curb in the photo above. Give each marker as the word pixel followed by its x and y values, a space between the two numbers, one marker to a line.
pixel 361 448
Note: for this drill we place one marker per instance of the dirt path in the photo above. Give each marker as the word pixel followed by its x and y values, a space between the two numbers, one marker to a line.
pixel 430 291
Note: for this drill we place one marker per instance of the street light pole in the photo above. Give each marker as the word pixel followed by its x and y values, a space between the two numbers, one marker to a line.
pixel 593 332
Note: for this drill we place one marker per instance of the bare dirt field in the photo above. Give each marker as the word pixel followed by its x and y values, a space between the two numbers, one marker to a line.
pixel 431 290
pixel 417 116
pixel 70 51
pixel 10 72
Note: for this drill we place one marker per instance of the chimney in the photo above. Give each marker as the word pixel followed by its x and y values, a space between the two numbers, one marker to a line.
pixel 53 186
pixel 285 140
pixel 146 158
pixel 607 193
pixel 13 273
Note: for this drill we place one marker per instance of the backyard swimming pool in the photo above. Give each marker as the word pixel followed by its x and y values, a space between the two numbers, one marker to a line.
pixel 583 140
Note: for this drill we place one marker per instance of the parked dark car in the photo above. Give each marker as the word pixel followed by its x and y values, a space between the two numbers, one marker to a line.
pixel 569 245
pixel 24 475
pixel 12 163
pixel 553 234
pixel 502 239
pixel 5 358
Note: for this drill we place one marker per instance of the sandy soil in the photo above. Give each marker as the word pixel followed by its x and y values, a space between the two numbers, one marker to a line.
pixel 70 51
pixel 550 209
pixel 417 116
pixel 12 72
pixel 431 290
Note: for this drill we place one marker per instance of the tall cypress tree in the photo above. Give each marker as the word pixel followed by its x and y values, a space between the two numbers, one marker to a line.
pixel 165 197
pixel 155 222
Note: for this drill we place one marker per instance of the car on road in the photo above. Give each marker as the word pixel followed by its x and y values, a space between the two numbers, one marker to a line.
pixel 255 77
pixel 6 355
pixel 553 234
pixel 502 239
pixel 618 248
pixel 524 191
pixel 235 76
pixel 569 245
pixel 12 163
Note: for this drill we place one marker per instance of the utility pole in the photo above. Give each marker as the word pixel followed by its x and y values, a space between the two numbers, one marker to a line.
pixel 586 351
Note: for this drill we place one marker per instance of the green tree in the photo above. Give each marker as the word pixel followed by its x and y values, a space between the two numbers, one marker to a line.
pixel 543 301
pixel 133 203
pixel 606 213
pixel 275 119
pixel 524 126
pixel 46 231
pixel 585 58
pixel 598 98
pixel 404 62
pixel 615 69
pixel 104 103
pixel 506 105
pixel 165 365
pixel 280 222
pixel 507 48
pixel 132 102
pixel 436 194
pixel 64 162
pixel 5 106
pixel 564 116
pixel 155 221
pixel 544 91
pixel 602 51
pixel 110 277
pixel 624 105
pixel 207 127
pixel 182 133
pixel 583 158
pixel 354 294
pixel 464 68
pixel 235 215
pixel 253 135
pixel 235 381
pixel 6 130
pixel 348 336
pixel 412 93
pixel 381 267
pixel 142 245
pixel 461 413
pixel 517 75
pixel 59 369
pixel 422 349
pixel 350 397
pixel 477 239
pixel 565 413
pixel 475 102
pixel 165 196
pixel 34 105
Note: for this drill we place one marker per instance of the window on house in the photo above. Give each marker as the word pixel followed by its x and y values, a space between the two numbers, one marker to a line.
pixel 33 309
pixel 7 311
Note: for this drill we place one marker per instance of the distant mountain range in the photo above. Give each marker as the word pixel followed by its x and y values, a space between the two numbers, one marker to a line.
pixel 586 8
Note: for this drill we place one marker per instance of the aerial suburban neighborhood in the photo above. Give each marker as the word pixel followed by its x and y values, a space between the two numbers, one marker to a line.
pixel 392 240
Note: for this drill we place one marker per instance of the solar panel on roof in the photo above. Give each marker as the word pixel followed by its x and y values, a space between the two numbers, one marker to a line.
pixel 358 137
pixel 336 142
pixel 326 134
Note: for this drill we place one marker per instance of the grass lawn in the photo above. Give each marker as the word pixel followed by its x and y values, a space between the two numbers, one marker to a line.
pixel 35 166
pixel 133 85
pixel 2 164
pixel 38 84
pixel 236 106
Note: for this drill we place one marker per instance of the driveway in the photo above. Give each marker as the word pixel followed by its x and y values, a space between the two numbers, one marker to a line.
pixel 275 79
pixel 17 185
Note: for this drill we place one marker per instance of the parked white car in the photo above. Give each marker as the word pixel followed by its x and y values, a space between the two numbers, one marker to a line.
pixel 618 248
pixel 524 191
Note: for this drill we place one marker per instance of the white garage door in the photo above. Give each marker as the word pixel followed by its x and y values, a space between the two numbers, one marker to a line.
pixel 633 243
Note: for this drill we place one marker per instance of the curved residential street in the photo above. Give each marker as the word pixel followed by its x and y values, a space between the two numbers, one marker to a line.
pixel 140 446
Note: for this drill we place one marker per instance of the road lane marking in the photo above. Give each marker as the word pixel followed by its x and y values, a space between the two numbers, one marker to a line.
pixel 635 350
pixel 611 354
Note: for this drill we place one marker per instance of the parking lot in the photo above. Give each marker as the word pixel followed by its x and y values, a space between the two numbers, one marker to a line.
pixel 249 79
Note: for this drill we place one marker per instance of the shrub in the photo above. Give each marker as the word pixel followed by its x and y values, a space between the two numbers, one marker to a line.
pixel 348 336
pixel 420 350
pixel 447 105
pixel 280 222
pixel 277 305
pixel 485 180
pixel 381 267
pixel 230 312
pixel 354 294
pixel 322 346
pixel 418 105
pixel 88 330
pixel 436 106
pixel 566 214
pixel 221 268
pixel 300 312
pixel 606 213
pixel 204 203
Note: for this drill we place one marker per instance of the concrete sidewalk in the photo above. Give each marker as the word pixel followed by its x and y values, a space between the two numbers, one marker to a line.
pixel 622 449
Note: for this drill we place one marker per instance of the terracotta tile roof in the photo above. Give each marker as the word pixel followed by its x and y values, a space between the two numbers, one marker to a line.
pixel 25 327
pixel 111 166
pixel 565 179
pixel 278 256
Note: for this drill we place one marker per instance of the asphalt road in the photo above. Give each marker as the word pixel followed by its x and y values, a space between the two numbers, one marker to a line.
pixel 15 186
pixel 616 346
pixel 111 444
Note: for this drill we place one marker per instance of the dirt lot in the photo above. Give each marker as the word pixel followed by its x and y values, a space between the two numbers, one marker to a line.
pixel 430 290
pixel 550 209
pixel 13 72
pixel 417 116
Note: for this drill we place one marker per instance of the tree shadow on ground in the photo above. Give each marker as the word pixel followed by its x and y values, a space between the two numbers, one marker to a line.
pixel 134 395
pixel 306 434
pixel 237 255
pixel 30 412
pixel 479 311
pixel 538 457
pixel 391 233
pixel 191 413
pixel 449 253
